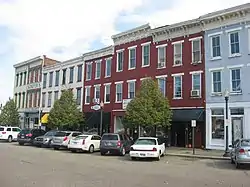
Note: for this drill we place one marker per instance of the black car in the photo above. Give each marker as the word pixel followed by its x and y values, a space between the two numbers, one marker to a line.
pixel 28 135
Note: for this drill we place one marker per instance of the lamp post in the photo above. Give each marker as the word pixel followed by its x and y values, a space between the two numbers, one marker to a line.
pixel 101 110
pixel 227 153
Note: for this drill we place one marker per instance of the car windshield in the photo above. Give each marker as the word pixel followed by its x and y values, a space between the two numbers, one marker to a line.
pixel 109 137
pixel 145 142
pixel 50 133
pixel 25 131
pixel 81 137
pixel 1 129
pixel 245 142
pixel 62 134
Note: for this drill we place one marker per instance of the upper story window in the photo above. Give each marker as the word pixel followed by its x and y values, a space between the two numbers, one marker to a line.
pixel 161 56
pixel 49 98
pixel 177 86
pixel 248 32
pixel 79 73
pixel 234 43
pixel 131 89
pixel 132 58
pixel 145 55
pixel 196 50
pixel 71 75
pixel 107 93
pixel 98 69
pixel 236 80
pixel 196 85
pixel 119 60
pixel 162 85
pixel 215 44
pixel 24 78
pixel 216 82
pixel 56 95
pixel 57 78
pixel 17 80
pixel 97 92
pixel 64 76
pixel 44 80
pixel 43 99
pixel 118 91
pixel 89 71
pixel 36 72
pixel 78 96
pixel 21 79
pixel 87 94
pixel 178 53
pixel 50 79
pixel 108 67
pixel 23 100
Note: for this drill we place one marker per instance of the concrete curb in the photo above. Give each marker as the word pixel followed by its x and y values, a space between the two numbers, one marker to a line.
pixel 198 156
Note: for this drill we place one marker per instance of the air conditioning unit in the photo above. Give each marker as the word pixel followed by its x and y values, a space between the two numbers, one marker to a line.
pixel 195 93
pixel 96 100
pixel 195 63
pixel 161 64
pixel 177 62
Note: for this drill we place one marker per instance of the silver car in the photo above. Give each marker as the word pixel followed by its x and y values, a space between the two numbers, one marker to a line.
pixel 62 138
pixel 240 152
pixel 45 140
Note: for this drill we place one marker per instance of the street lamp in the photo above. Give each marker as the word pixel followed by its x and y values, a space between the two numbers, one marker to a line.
pixel 101 108
pixel 227 153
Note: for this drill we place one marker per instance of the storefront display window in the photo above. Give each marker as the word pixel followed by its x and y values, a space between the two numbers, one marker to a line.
pixel 217 123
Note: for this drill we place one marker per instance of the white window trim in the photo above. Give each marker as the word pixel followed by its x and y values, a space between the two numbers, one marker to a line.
pixel 162 45
pixel 215 34
pixel 132 47
pixel 131 81
pixel 235 66
pixel 105 92
pixel 192 40
pixel 109 83
pixel 231 85
pixel 231 31
pixel 234 30
pixel 216 69
pixel 96 63
pixel 87 68
pixel 129 55
pixel 193 82
pixel 161 76
pixel 106 60
pixel 97 86
pixel 178 75
pixel 211 46
pixel 212 81
pixel 158 59
pixel 142 52
pixel 117 58
pixel 144 78
pixel 121 83
pixel 174 45
pixel 195 72
pixel 248 34
pixel 85 99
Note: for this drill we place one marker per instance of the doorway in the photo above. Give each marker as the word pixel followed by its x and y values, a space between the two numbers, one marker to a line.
pixel 237 127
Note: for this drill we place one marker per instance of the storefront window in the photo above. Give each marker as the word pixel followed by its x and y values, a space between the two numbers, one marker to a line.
pixel 217 123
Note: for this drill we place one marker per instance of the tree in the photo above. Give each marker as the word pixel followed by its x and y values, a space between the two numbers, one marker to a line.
pixel 65 115
pixel 149 108
pixel 9 114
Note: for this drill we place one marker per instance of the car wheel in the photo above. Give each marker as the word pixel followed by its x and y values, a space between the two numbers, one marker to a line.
pixel 73 151
pixel 133 158
pixel 123 152
pixel 10 139
pixel 56 148
pixel 21 143
pixel 232 161
pixel 159 157
pixel 91 149
pixel 102 153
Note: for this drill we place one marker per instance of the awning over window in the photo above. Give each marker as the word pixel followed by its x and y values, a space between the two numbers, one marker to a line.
pixel 44 119
pixel 182 115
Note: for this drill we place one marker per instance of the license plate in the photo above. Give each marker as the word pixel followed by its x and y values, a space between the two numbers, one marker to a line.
pixel 142 154
pixel 22 136
pixel 109 144
pixel 74 142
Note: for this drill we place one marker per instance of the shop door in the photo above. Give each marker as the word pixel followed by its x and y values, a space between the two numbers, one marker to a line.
pixel 237 128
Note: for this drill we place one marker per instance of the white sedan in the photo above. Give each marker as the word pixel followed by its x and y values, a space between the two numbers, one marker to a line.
pixel 147 147
pixel 85 142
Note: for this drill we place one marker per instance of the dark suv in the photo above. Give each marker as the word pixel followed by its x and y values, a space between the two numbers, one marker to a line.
pixel 28 135
pixel 115 143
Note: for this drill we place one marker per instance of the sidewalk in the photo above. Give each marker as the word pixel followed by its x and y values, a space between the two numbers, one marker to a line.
pixel 199 153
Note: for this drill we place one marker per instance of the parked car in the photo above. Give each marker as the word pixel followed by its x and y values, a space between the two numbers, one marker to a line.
pixel 61 139
pixel 85 142
pixel 115 143
pixel 28 135
pixel 240 152
pixel 45 140
pixel 9 133
pixel 147 147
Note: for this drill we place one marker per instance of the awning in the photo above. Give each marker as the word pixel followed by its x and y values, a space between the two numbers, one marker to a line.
pixel 44 119
pixel 182 115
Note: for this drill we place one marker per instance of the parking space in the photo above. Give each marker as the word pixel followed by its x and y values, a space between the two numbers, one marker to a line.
pixel 32 166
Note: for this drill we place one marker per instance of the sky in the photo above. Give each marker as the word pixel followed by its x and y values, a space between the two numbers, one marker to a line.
pixel 63 29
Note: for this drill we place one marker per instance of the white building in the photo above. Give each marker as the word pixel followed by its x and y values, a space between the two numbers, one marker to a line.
pixel 27 89
pixel 59 77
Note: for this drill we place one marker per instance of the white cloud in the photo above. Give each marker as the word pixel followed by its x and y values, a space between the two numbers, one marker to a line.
pixel 38 26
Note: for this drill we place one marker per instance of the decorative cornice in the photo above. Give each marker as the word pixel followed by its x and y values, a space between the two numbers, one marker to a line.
pixel 94 55
pixel 134 34
pixel 28 61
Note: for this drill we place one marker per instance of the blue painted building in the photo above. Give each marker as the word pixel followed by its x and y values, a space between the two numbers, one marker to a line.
pixel 227 71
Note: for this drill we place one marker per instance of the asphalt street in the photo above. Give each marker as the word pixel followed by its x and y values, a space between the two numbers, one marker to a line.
pixel 27 166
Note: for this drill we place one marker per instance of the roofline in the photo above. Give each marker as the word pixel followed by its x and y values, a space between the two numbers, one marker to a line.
pixel 28 61
pixel 98 51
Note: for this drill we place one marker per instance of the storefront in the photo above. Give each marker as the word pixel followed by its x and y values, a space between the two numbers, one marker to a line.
pixel 238 123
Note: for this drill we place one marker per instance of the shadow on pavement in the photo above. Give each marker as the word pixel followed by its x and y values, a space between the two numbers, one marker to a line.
pixel 225 165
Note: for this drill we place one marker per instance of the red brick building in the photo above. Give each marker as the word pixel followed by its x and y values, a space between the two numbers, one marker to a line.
pixel 171 54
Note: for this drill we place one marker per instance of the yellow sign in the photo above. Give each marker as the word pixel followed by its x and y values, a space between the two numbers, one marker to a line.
pixel 44 119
